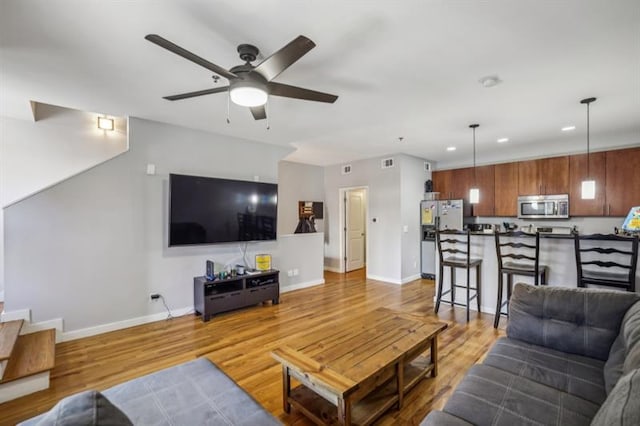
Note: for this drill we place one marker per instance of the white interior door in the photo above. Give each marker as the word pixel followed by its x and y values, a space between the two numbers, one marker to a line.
pixel 355 230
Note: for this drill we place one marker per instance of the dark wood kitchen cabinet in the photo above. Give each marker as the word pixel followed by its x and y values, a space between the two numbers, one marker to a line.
pixel 506 189
pixel 452 184
pixel 442 183
pixel 544 176
pixel 578 173
pixel 622 181
pixel 485 181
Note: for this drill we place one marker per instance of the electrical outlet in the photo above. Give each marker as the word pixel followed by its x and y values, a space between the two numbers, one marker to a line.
pixel 154 296
pixel 289 273
pixel 415 264
pixel 295 272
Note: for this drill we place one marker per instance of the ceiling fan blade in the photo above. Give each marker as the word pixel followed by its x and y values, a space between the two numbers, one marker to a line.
pixel 279 89
pixel 259 112
pixel 163 42
pixel 197 93
pixel 271 67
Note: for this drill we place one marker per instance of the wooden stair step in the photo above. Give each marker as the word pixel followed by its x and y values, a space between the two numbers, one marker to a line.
pixel 34 353
pixel 9 332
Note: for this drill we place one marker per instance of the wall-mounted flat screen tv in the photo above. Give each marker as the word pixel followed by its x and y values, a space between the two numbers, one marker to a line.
pixel 204 210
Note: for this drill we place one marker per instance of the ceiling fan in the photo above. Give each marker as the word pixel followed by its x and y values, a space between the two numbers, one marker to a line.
pixel 251 85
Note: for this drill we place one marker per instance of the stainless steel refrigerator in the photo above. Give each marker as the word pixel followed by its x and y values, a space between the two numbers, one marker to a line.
pixel 436 214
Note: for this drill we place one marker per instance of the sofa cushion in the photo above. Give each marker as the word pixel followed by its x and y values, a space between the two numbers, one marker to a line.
pixel 574 320
pixel 624 355
pixel 193 393
pixel 490 396
pixel 574 374
pixel 85 408
pixel 622 407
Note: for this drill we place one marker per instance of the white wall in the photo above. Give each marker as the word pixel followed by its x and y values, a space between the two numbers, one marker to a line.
pixel 413 177
pixel 91 249
pixel 384 223
pixel 297 182
pixel 62 143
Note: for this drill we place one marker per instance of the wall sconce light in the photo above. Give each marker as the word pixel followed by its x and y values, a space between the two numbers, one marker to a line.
pixel 105 123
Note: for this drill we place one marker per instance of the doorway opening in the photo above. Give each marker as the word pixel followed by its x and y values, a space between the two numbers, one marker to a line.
pixel 354 242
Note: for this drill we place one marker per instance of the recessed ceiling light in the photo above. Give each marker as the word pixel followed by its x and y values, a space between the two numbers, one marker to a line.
pixel 451 148
pixel 568 128
pixel 503 140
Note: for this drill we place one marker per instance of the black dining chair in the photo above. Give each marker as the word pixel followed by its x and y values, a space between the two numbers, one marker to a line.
pixel 607 260
pixel 518 254
pixel 454 252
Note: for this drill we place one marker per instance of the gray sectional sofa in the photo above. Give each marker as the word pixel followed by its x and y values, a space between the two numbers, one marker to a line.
pixel 193 393
pixel 571 357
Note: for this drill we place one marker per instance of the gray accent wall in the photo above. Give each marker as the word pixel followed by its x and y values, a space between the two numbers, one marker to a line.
pixel 91 249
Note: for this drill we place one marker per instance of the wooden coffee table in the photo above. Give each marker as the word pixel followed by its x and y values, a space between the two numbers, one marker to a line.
pixel 352 374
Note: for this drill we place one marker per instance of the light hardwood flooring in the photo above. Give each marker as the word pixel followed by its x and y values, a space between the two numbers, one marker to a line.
pixel 240 343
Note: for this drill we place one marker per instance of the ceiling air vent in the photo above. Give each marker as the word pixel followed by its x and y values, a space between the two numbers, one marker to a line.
pixel 387 163
pixel 346 169
pixel 427 166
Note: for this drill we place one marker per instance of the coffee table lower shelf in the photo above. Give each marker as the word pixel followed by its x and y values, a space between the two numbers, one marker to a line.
pixel 365 411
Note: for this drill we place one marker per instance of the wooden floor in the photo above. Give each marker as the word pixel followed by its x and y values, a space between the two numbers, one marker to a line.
pixel 240 343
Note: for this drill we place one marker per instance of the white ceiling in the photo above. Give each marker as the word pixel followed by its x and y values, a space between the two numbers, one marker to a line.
pixel 400 68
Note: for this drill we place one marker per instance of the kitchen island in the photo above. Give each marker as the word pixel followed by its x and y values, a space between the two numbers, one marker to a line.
pixel 556 251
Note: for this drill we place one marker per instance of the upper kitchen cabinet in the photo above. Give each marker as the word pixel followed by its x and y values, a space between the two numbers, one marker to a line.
pixel 506 189
pixel 485 181
pixel 544 176
pixel 622 181
pixel 442 183
pixel 577 173
pixel 452 184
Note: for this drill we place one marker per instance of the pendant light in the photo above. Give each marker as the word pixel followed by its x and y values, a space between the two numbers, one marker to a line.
pixel 474 192
pixel 588 185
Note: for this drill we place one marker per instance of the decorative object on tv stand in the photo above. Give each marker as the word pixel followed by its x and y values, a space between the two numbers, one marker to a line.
pixel 474 192
pixel 263 262
pixel 588 185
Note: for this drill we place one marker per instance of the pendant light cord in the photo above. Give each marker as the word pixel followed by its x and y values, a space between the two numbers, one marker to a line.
pixel 475 179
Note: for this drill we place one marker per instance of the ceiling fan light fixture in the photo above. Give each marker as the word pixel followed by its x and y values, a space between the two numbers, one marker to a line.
pixel 248 95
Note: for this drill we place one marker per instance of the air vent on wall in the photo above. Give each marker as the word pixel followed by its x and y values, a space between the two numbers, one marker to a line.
pixel 427 166
pixel 346 169
pixel 387 163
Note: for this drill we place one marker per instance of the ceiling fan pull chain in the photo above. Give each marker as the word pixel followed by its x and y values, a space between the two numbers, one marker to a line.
pixel 228 101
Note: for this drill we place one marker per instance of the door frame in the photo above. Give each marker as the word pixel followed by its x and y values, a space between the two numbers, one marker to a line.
pixel 342 192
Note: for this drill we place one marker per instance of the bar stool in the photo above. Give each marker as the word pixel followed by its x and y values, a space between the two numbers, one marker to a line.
pixel 517 257
pixel 457 246
pixel 618 271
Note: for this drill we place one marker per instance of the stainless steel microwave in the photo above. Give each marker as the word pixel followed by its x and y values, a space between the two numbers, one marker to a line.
pixel 543 206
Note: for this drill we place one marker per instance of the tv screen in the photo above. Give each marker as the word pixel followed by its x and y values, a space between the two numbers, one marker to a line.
pixel 205 210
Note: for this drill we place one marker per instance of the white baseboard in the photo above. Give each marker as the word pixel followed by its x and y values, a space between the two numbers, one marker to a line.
pixel 20 314
pixel 332 269
pixel 57 324
pixel 25 386
pixel 411 278
pixel 301 285
pixel 104 328
pixel 385 279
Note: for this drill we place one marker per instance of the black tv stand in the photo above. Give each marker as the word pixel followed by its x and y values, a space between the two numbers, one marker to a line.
pixel 222 295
